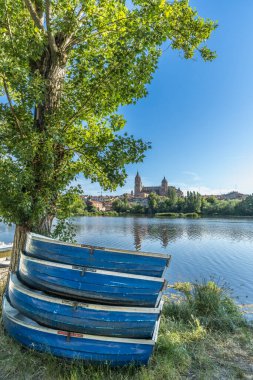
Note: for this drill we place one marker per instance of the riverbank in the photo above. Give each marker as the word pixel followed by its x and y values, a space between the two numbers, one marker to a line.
pixel 197 340
pixel 175 215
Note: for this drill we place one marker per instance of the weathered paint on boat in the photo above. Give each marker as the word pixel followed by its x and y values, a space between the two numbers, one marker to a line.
pixel 142 263
pixel 100 349
pixel 58 313
pixel 91 284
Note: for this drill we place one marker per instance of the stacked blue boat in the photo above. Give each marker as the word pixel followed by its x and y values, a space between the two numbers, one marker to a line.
pixel 86 302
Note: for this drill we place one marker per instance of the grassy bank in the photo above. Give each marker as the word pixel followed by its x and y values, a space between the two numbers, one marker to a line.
pixel 164 214
pixel 178 214
pixel 202 336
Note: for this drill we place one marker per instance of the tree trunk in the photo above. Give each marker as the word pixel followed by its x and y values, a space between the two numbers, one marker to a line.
pixel 18 246
pixel 45 226
pixel 20 239
pixel 55 78
pixel 53 70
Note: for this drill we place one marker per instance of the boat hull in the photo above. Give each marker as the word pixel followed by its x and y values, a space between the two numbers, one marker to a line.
pixel 139 263
pixel 57 313
pixel 90 284
pixel 114 351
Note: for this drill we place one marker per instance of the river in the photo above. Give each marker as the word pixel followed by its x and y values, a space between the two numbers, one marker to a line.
pixel 201 248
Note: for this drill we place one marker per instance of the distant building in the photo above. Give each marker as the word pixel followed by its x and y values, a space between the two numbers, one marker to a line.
pixel 107 206
pixel 143 191
pixel 101 203
pixel 98 205
pixel 143 201
pixel 232 195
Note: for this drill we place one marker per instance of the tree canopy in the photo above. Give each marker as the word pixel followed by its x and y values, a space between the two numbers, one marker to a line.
pixel 66 66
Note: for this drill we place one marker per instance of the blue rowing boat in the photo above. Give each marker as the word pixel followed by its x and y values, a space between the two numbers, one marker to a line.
pixel 100 349
pixel 58 313
pixel 124 261
pixel 91 284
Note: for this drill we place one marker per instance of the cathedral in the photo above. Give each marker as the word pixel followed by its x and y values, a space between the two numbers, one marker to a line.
pixel 140 190
pixel 144 191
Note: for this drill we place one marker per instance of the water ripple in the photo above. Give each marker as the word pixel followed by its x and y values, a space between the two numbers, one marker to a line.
pixel 200 248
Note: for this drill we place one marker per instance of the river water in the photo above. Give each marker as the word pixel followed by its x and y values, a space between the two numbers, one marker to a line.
pixel 201 248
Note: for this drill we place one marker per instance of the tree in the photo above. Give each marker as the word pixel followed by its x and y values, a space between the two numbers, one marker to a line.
pixel 245 207
pixel 121 205
pixel 153 201
pixel 65 68
pixel 70 204
pixel 172 195
pixel 90 206
pixel 137 209
pixel 193 202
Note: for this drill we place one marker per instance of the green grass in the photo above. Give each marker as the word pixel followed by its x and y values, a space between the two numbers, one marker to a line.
pixel 178 214
pixel 99 213
pixel 202 336
pixel 211 304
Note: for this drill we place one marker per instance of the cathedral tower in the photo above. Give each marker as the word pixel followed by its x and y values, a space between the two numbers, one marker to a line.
pixel 164 187
pixel 137 185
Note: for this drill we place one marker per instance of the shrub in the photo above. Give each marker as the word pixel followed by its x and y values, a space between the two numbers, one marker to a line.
pixel 191 215
pixel 211 304
pixel 169 214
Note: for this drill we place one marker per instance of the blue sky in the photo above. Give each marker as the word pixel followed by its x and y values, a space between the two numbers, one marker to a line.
pixel 199 116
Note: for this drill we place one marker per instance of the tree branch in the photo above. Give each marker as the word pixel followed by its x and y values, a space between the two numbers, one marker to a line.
pixel 11 107
pixel 9 27
pixel 69 39
pixel 79 12
pixel 51 39
pixel 103 81
pixel 34 15
pixel 39 10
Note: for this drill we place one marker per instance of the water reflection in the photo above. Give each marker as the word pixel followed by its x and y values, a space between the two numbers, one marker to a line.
pixel 200 248
pixel 169 231
pixel 165 231
pixel 160 232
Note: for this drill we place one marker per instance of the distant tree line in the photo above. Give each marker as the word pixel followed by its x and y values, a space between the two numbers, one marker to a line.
pixel 192 203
